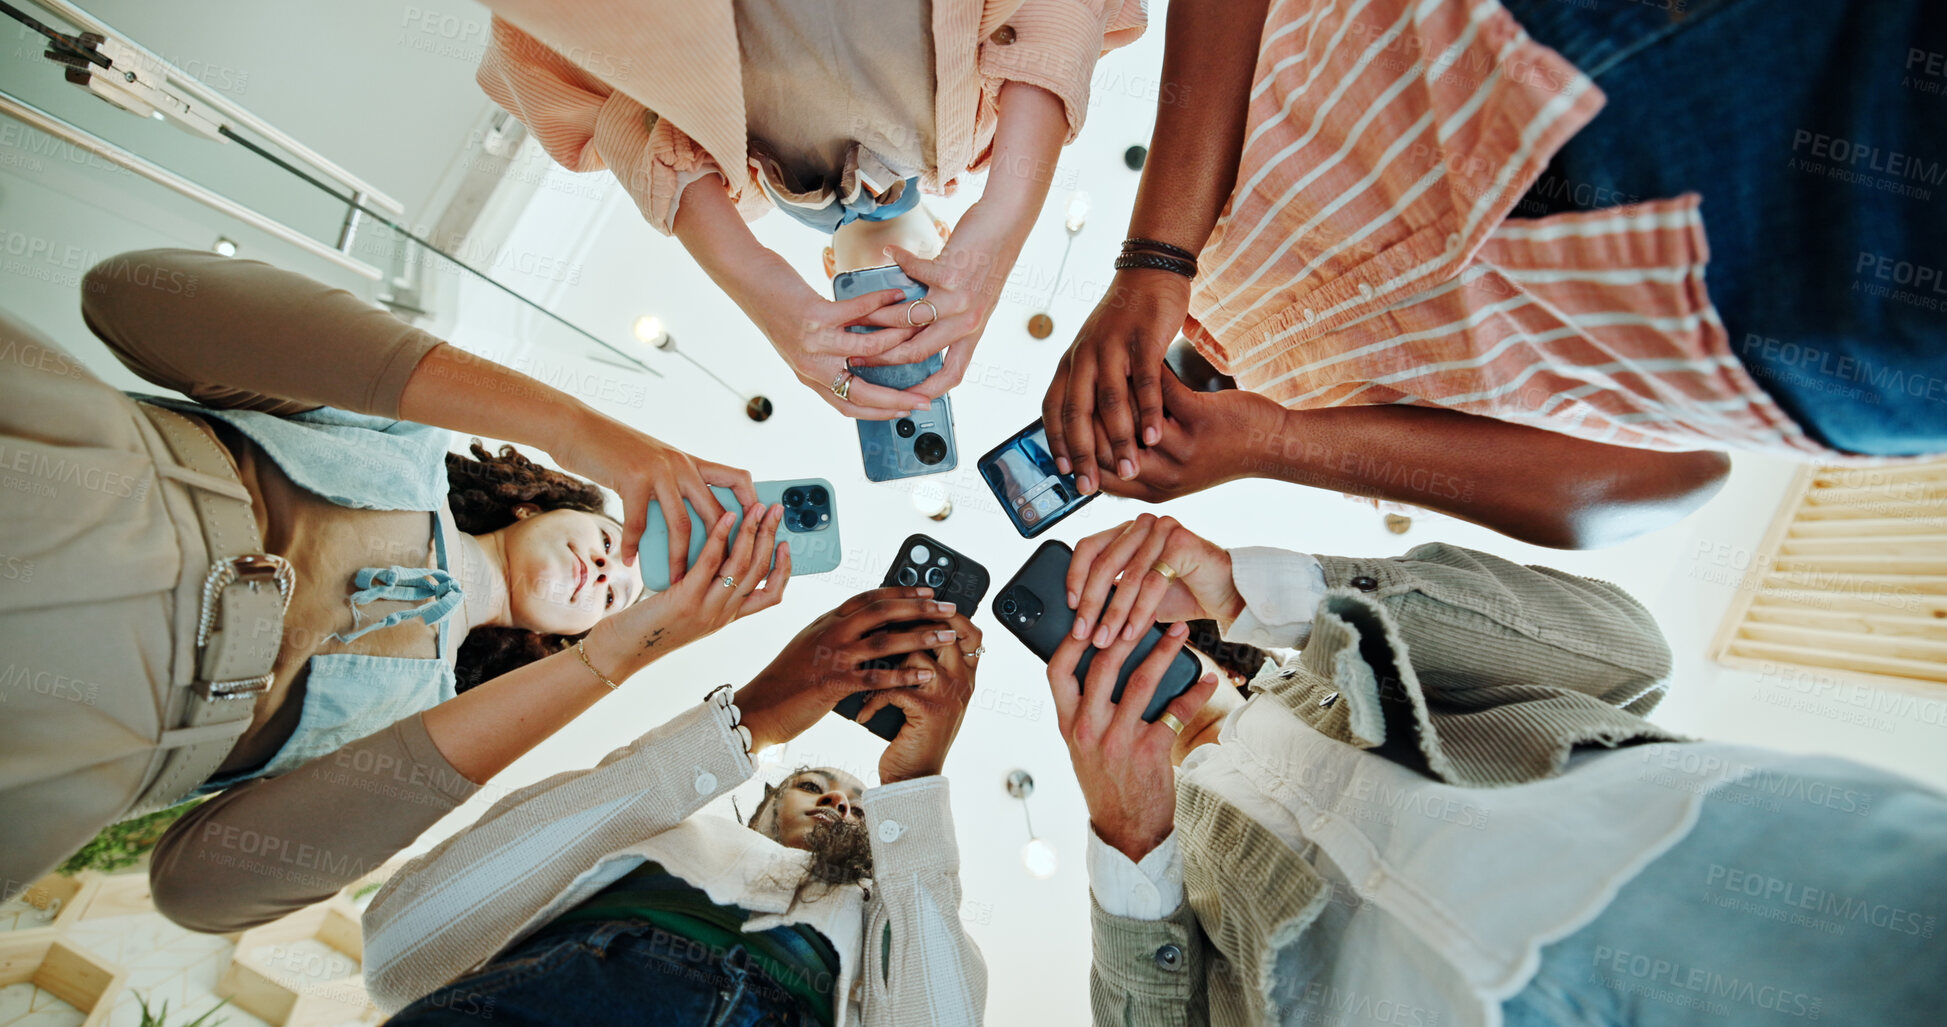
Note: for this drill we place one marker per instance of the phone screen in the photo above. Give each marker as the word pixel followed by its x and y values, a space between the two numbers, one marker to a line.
pixel 1022 474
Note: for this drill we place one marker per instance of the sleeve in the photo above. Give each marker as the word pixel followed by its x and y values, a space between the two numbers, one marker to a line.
pixel 272 846
pixel 451 909
pixel 1145 890
pixel 1281 591
pixel 241 334
pixel 587 125
pixel 919 965
pixel 1055 44
pixel 1474 621
pixel 1148 973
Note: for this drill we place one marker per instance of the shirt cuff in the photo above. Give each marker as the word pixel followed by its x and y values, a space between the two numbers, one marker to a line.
pixel 1148 890
pixel 1281 591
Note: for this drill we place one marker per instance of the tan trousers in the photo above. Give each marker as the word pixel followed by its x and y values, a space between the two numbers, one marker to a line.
pixel 93 550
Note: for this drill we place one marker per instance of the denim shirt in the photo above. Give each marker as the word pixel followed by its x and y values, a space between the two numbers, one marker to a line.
pixel 364 463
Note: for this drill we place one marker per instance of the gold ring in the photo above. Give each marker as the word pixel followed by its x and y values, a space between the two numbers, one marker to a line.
pixel 1169 720
pixel 914 305
pixel 1168 572
pixel 841 386
pixel 729 582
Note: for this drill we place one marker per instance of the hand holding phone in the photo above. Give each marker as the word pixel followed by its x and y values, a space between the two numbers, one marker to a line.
pixel 810 525
pixel 925 562
pixel 1033 606
pixel 921 441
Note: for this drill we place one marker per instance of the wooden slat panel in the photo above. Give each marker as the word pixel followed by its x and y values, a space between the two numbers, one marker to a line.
pixel 1850 642
pixel 1884 543
pixel 1803 656
pixel 1849 526
pixel 1861 622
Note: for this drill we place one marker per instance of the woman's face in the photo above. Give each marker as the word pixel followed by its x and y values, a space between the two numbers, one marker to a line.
pixel 564 570
pixel 812 797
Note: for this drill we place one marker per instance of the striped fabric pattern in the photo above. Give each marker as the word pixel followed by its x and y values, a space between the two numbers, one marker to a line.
pixel 653 89
pixel 1366 255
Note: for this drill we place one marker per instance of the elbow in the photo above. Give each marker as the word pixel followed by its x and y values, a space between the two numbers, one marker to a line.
pixel 1656 491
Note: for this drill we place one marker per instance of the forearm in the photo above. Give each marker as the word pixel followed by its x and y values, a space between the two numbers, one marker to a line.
pixel 469 394
pixel 916 873
pixel 486 728
pixel 1209 55
pixel 1126 985
pixel 1027 146
pixel 1537 486
pixel 270 847
pixel 722 244
pixel 241 334
pixel 449 909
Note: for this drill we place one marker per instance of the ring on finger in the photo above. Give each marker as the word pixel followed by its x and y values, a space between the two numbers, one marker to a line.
pixel 728 581
pixel 914 305
pixel 979 651
pixel 1169 720
pixel 1168 572
pixel 841 386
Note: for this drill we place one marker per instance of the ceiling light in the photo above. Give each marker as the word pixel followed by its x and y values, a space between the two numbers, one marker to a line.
pixel 1038 855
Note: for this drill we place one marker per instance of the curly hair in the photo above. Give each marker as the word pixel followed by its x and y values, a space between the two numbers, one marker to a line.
pixel 482 493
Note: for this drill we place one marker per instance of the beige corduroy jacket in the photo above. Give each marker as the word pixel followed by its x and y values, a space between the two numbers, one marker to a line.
pixel 1464 666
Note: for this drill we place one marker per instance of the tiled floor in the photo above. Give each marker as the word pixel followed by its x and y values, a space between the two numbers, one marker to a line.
pixel 165 964
pixel 23 1005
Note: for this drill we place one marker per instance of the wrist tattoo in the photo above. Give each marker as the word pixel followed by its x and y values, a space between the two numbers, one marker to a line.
pixel 655 638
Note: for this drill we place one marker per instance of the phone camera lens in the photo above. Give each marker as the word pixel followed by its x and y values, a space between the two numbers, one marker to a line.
pixel 905 428
pixel 817 496
pixel 794 498
pixel 908 576
pixel 1009 607
pixel 806 519
pixel 935 577
pixel 929 448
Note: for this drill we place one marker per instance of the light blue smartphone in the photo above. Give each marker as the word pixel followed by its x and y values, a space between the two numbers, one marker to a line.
pixel 921 442
pixel 810 524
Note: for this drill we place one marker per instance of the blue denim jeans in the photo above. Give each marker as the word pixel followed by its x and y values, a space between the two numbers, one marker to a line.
pixel 611 972
pixel 1816 132
pixel 1809 896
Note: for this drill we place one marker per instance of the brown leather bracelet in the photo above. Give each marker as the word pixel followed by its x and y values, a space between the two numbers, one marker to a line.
pixel 1158 246
pixel 1156 262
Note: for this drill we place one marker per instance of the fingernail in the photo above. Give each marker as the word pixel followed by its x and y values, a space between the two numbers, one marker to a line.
pixel 945 636
pixel 1129 632
pixel 1126 468
pixel 923 676
pixel 1102 637
pixel 1081 628
pixel 1073 600
pixel 1062 465
pixel 943 607
pixel 1084 485
pixel 1151 436
pixel 1179 628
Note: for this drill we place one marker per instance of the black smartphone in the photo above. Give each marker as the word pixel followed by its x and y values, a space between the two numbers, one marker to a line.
pixel 1022 474
pixel 953 577
pixel 1033 605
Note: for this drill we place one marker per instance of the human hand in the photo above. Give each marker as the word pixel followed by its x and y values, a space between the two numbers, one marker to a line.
pixel 822 664
pixel 642 470
pixel 809 332
pixel 964 286
pixel 934 709
pixel 1124 558
pixel 1208 439
pixel 1122 763
pixel 701 603
pixel 1108 386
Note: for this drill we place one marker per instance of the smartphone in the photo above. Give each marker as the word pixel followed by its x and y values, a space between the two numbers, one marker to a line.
pixel 921 442
pixel 810 524
pixel 1022 474
pixel 1033 605
pixel 954 578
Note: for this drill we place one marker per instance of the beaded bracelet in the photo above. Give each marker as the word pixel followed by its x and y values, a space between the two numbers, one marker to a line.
pixel 1156 262
pixel 1158 246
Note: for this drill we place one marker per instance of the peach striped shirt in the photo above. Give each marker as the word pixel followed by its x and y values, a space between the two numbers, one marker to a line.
pixel 606 83
pixel 1366 255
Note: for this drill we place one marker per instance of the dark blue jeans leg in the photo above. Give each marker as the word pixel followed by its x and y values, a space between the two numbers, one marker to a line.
pixel 616 972
pixel 1816 132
